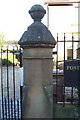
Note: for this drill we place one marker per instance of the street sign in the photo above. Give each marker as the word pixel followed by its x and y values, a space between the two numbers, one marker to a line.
pixel 72 73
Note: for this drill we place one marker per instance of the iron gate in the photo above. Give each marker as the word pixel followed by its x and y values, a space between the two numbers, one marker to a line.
pixel 10 88
pixel 66 95
pixel 63 95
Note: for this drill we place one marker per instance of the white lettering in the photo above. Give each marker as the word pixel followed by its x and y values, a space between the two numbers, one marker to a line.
pixel 68 67
pixel 73 68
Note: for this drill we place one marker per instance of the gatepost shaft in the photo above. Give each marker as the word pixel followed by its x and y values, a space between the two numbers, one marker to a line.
pixel 37 43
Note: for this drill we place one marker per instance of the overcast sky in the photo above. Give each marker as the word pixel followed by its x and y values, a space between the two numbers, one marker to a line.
pixel 14 17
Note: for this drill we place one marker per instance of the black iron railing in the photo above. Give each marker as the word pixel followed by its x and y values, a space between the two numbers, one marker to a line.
pixel 61 58
pixel 11 90
pixel 66 88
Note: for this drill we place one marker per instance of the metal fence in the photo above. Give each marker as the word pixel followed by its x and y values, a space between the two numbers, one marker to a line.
pixel 67 50
pixel 66 85
pixel 10 88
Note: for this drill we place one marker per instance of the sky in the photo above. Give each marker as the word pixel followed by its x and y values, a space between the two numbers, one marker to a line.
pixel 14 17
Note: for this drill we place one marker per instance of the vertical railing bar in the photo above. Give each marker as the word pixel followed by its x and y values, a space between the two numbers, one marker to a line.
pixel 5 108
pixel 78 94
pixel 0 109
pixel 72 59
pixel 17 109
pixel 8 86
pixel 14 85
pixel 2 86
pixel 20 57
pixel 56 67
pixel 78 88
pixel 72 46
pixel 64 74
pixel 20 85
pixel 11 109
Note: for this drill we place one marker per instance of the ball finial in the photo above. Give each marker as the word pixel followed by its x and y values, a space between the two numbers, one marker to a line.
pixel 37 12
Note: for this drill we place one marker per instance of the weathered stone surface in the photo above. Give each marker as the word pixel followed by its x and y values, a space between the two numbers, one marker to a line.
pixel 37 33
pixel 37 43
pixel 37 12
pixel 37 74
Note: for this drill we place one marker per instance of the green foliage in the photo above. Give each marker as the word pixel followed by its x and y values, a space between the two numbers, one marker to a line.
pixel 1 36
pixel 10 58
pixel 5 62
pixel 1 39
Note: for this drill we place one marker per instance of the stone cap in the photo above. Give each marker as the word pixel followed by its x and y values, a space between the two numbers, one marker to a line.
pixel 37 34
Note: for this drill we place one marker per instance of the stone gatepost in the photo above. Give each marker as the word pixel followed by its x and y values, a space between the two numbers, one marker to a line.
pixel 37 43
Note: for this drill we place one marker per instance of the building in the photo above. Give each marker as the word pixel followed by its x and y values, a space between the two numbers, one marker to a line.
pixel 63 17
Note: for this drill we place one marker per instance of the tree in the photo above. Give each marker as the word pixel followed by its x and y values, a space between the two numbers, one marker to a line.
pixel 1 39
